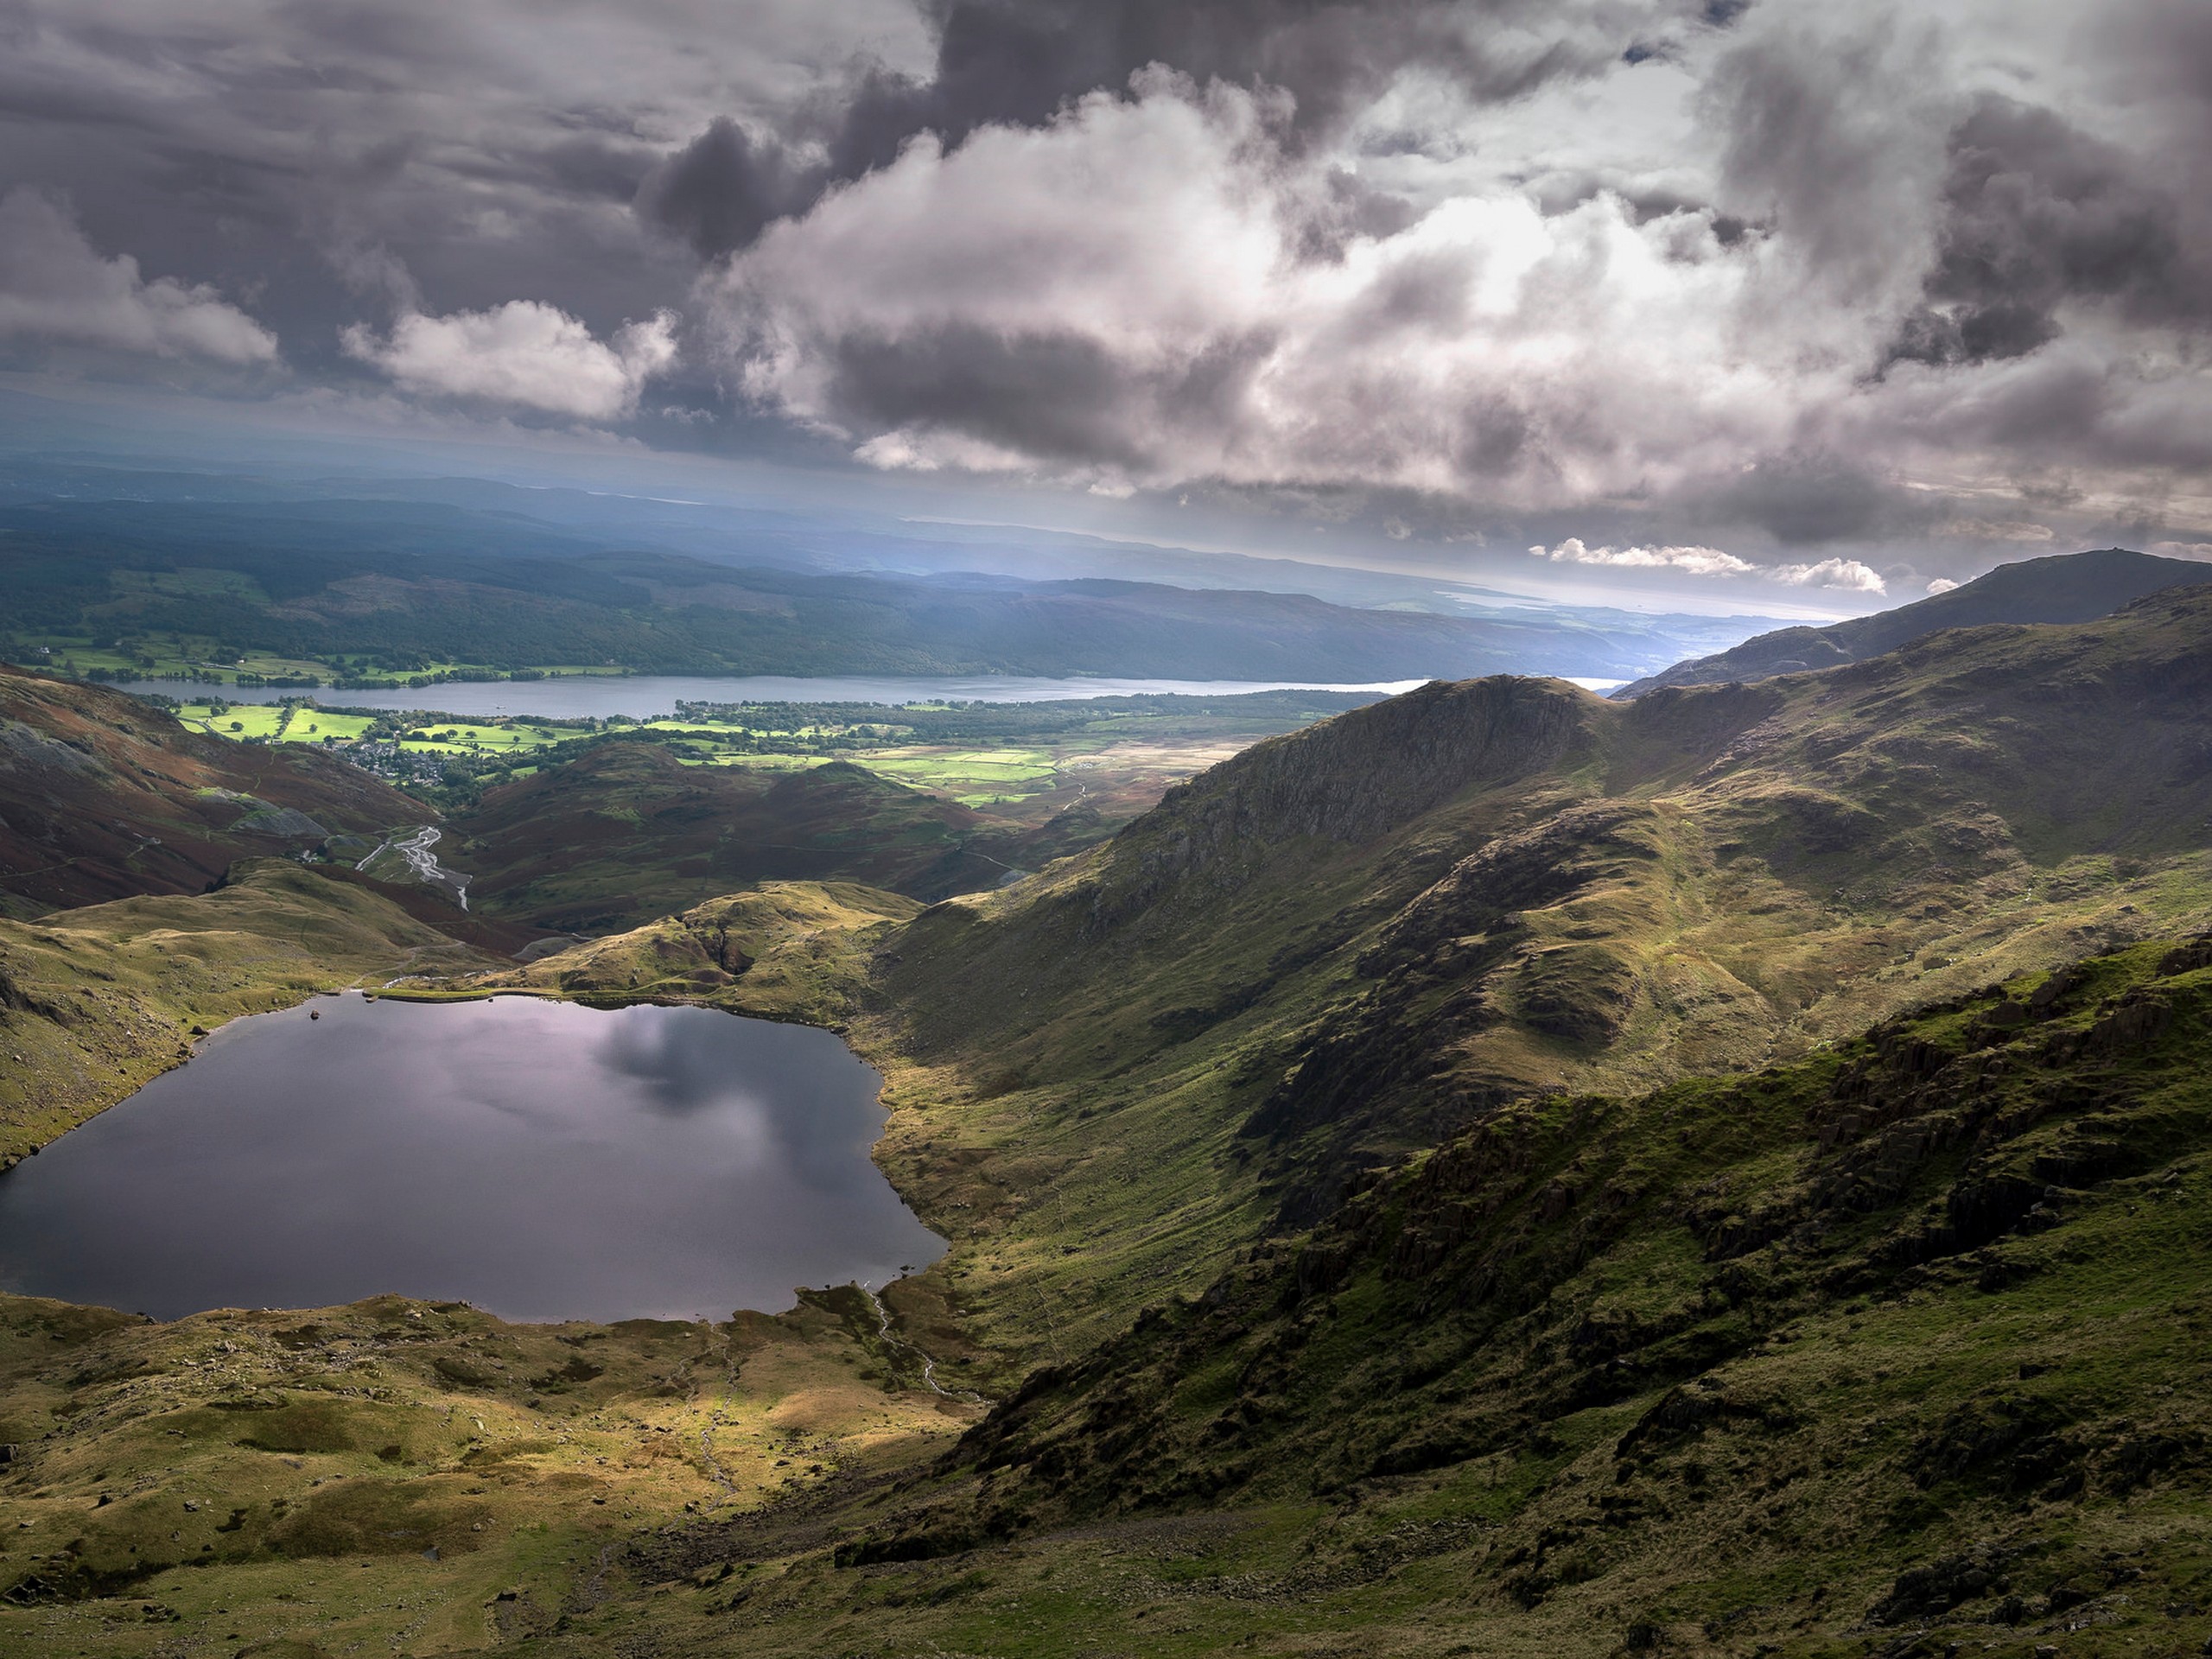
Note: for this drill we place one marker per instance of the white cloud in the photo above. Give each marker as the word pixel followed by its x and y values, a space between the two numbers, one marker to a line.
pixel 1847 575
pixel 523 354
pixel 1844 575
pixel 1691 561
pixel 1132 290
pixel 2183 549
pixel 55 287
pixel 1941 585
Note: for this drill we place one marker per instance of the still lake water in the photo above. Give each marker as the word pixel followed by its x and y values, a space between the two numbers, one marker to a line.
pixel 644 695
pixel 540 1160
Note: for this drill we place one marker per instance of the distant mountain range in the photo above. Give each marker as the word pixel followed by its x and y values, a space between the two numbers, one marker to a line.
pixel 2063 588
pixel 370 587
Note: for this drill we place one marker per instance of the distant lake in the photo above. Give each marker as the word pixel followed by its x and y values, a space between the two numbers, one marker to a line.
pixel 543 1161
pixel 644 695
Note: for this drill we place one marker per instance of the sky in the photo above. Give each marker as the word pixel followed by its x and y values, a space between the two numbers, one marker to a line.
pixel 1784 302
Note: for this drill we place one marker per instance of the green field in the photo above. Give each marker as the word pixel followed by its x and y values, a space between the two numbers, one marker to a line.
pixel 299 722
pixel 974 777
pixel 983 756
pixel 278 722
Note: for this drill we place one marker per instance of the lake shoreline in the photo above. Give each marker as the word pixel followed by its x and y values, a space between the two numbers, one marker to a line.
pixel 658 1140
pixel 642 696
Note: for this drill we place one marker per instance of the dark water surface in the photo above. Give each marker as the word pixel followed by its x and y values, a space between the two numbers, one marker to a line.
pixel 540 1160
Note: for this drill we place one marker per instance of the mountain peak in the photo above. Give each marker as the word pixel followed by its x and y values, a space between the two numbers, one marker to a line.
pixel 2057 588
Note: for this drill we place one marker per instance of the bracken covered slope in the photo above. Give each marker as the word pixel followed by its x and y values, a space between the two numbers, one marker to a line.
pixel 103 796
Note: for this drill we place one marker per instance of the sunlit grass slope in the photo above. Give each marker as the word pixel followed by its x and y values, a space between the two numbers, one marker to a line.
pixel 408 1476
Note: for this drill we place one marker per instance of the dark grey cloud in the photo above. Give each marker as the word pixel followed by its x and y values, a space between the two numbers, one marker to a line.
pixel 1019 62
pixel 1802 501
pixel 722 189
pixel 1060 396
pixel 2035 213
pixel 1826 128
pixel 329 160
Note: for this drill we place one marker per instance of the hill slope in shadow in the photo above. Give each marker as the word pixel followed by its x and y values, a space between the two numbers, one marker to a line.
pixel 2063 588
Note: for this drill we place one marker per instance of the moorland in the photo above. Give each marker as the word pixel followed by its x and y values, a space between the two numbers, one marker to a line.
pixel 1495 1170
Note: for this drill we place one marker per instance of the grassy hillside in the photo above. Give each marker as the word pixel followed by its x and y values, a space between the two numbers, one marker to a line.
pixel 2063 588
pixel 102 796
pixel 1346 945
pixel 786 950
pixel 96 1000
pixel 627 832
pixel 403 1476
pixel 1889 1350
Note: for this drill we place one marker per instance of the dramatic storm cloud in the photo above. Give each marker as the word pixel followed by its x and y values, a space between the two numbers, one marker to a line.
pixel 54 288
pixel 1834 296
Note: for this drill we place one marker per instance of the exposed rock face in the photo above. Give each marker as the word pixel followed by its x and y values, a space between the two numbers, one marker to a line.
pixel 1531 870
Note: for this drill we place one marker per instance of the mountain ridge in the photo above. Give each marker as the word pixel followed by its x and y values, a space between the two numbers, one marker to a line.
pixel 2058 587
pixel 383 589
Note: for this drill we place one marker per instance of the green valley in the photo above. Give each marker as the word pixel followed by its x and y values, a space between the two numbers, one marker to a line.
pixel 1495 1170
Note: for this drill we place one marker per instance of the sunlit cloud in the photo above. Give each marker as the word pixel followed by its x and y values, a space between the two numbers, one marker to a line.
pixel 522 353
